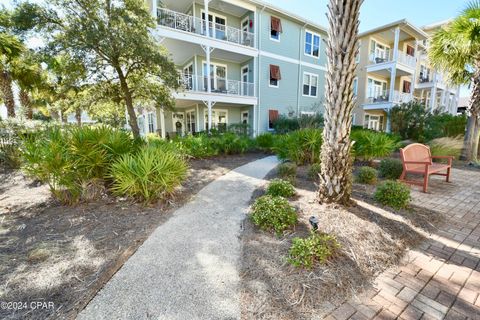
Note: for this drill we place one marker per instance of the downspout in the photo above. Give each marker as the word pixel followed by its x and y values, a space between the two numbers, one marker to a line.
pixel 259 46
pixel 300 87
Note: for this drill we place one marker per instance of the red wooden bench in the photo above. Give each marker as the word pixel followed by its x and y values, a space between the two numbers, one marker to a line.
pixel 417 159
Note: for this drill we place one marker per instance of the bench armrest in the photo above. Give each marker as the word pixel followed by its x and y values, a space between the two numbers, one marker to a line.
pixel 449 158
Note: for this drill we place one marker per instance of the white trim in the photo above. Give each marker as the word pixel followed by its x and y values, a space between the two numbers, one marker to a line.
pixel 355 88
pixel 241 77
pixel 215 64
pixel 214 15
pixel 291 60
pixel 310 84
pixel 313 41
pixel 248 116
pixel 214 119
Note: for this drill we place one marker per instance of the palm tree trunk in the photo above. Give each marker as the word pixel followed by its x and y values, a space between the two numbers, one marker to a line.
pixel 470 141
pixel 342 46
pixel 8 98
pixel 78 116
pixel 26 104
pixel 475 141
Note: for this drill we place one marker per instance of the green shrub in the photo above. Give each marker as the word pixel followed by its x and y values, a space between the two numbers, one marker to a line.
pixel 446 146
pixel 370 144
pixel 280 188
pixel 10 154
pixel 204 146
pixel 285 124
pixel 73 159
pixel 287 170
pixel 301 146
pixel 314 171
pixel 273 214
pixel 390 169
pixel 367 175
pixel 317 247
pixel 394 194
pixel 149 174
pixel 265 141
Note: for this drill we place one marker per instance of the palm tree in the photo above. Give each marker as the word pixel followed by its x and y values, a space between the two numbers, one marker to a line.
pixel 29 76
pixel 455 49
pixel 10 48
pixel 342 46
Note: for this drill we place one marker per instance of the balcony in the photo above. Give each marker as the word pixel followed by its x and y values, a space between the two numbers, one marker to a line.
pixel 382 63
pixel 222 86
pixel 381 99
pixel 194 25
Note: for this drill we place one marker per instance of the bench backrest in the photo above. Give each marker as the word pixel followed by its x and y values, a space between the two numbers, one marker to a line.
pixel 415 152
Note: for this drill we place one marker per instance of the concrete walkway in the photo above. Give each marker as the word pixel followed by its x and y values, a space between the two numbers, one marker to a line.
pixel 441 278
pixel 188 268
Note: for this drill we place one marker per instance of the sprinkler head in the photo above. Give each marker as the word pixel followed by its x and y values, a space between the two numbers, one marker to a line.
pixel 313 222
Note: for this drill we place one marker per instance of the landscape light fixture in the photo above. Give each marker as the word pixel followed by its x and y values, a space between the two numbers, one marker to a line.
pixel 313 222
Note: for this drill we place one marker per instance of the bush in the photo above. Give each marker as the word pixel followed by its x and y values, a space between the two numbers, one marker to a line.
pixel 302 146
pixel 316 248
pixel 370 144
pixel 9 148
pixel 265 141
pixel 74 159
pixel 271 213
pixel 204 146
pixel 446 147
pixel 390 169
pixel 285 124
pixel 314 171
pixel 367 175
pixel 280 188
pixel 394 194
pixel 287 171
pixel 148 175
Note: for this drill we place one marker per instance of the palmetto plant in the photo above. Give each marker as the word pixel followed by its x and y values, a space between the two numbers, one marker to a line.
pixel 342 46
pixel 456 50
pixel 149 174
pixel 10 49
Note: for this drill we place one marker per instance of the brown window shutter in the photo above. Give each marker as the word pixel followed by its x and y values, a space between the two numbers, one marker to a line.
pixel 276 24
pixel 410 51
pixel 275 72
pixel 272 115
pixel 406 86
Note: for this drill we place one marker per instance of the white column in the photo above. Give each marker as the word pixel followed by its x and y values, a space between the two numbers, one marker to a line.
pixel 414 77
pixel 433 93
pixel 255 125
pixel 442 98
pixel 162 123
pixel 145 121
pixel 207 51
pixel 154 9
pixel 393 72
pixel 255 76
pixel 395 43
pixel 198 117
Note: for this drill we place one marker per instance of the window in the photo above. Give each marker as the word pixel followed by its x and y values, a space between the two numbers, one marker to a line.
pixel 355 86
pixel 272 116
pixel 275 75
pixel 245 117
pixel 218 78
pixel 310 84
pixel 410 51
pixel 407 86
pixel 219 120
pixel 275 28
pixel 191 125
pixel 379 53
pixel 377 90
pixel 151 122
pixel 312 44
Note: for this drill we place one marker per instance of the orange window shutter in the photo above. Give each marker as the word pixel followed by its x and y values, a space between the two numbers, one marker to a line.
pixel 276 24
pixel 275 72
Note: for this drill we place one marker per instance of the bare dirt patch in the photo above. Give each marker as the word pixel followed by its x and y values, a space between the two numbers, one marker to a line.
pixel 64 255
pixel 372 238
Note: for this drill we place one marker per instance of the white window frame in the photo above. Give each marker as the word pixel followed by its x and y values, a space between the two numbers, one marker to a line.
pixel 269 81
pixel 151 116
pixel 355 86
pixel 248 116
pixel 214 15
pixel 188 122
pixel 270 30
pixel 386 46
pixel 378 80
pixel 313 41
pixel 215 64
pixel 214 119
pixel 309 84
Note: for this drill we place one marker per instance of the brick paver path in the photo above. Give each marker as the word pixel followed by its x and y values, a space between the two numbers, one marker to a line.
pixel 441 278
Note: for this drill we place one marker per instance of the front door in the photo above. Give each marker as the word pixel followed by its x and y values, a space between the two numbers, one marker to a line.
pixel 191 124
pixel 374 123
pixel 245 86
pixel 188 77
pixel 218 76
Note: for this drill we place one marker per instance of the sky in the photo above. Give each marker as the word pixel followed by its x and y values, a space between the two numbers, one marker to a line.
pixel 375 13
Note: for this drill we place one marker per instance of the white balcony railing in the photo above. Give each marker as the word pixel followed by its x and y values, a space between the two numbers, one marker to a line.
pixel 383 96
pixel 402 58
pixel 218 85
pixel 406 59
pixel 187 23
pixel 401 97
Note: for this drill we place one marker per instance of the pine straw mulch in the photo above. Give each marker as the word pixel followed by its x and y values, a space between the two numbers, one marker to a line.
pixel 65 254
pixel 372 238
